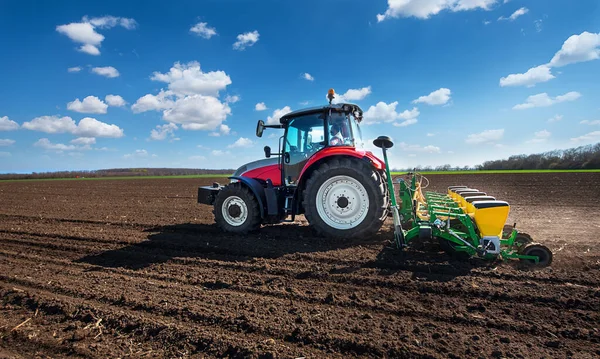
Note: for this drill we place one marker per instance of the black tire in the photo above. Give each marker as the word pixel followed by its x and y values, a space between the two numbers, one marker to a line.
pixel 535 249
pixel 252 221
pixel 368 177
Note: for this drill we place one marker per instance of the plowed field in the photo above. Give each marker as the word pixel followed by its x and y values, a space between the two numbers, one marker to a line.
pixel 135 268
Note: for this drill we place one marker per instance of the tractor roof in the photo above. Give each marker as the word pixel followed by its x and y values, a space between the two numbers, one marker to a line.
pixel 338 107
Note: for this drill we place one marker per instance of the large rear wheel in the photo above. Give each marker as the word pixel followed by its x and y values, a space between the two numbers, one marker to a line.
pixel 345 198
pixel 236 209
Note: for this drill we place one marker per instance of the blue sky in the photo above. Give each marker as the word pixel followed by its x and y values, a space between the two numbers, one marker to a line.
pixel 89 85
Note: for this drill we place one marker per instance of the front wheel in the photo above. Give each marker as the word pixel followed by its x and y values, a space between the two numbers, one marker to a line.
pixel 345 198
pixel 236 209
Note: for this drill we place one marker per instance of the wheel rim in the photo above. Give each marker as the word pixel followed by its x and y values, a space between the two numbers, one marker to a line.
pixel 342 202
pixel 235 211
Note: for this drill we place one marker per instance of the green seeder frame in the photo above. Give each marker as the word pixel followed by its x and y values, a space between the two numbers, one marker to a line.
pixel 447 221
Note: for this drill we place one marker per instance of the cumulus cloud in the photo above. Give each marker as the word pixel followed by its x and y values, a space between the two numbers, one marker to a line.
pixel 7 124
pixel 588 122
pixel 203 30
pixel 90 104
pixel 191 99
pixel 115 100
pixel 161 132
pixel 74 69
pixel 47 145
pixel 578 48
pixel 6 142
pixel 589 137
pixel 533 76
pixel 197 112
pixel 246 40
pixel 520 12
pixel 223 130
pixel 277 114
pixel 352 95
pixel 84 141
pixel 423 9
pixel 232 99
pixel 85 33
pixel 418 148
pixel 219 153
pixel 540 136
pixel 107 71
pixel 487 136
pixel 260 106
pixel 242 142
pixel 543 100
pixel 308 76
pixel 383 112
pixel 437 97
pixel 555 118
pixel 188 79
pixel 87 127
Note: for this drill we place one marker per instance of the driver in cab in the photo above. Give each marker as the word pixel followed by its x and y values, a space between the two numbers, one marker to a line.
pixel 336 139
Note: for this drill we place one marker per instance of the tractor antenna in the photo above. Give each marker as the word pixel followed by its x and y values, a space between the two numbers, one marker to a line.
pixel 330 95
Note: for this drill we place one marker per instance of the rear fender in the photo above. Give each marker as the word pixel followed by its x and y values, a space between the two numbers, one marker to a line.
pixel 326 153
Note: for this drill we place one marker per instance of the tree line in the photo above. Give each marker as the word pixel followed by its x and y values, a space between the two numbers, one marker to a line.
pixel 117 172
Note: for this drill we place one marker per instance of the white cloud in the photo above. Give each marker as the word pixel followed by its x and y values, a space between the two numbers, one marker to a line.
pixel 7 124
pixel 578 48
pixel 487 136
pixel 6 142
pixel 540 136
pixel 84 141
pixel 137 154
pixel 277 114
pixel 591 123
pixel 353 95
pixel 188 79
pixel 107 22
pixel 203 30
pixel 260 106
pixel 115 100
pixel 520 12
pixel 74 69
pixel 543 100
pixel 423 9
pixel 417 148
pixel 87 127
pixel 533 76
pixel 383 112
pixel 85 32
pixel 90 104
pixel 232 99
pixel 197 158
pixel 486 22
pixel 437 97
pixel 223 130
pixel 429 134
pixel 149 102
pixel 47 145
pixel 589 137
pixel 308 76
pixel 162 131
pixel 107 71
pixel 242 142
pixel 197 112
pixel 246 40
pixel 219 153
pixel 556 118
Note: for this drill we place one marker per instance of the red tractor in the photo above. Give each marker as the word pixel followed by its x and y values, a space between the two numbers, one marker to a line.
pixel 320 171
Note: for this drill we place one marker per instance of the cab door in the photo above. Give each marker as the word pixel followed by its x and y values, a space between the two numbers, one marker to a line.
pixel 303 138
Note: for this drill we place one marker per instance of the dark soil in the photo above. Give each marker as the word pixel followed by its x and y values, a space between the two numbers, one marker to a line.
pixel 136 268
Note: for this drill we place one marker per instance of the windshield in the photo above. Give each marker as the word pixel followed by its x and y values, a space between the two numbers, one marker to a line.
pixel 344 130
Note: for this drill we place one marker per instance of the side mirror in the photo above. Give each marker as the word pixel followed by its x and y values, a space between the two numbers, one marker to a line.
pixel 260 127
pixel 267 151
